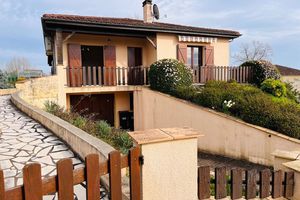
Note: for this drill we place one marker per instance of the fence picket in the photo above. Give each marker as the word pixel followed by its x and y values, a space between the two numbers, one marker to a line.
pixel 65 179
pixel 289 184
pixel 135 173
pixel 84 75
pixel 115 175
pixel 89 75
pixel 220 187
pixel 250 184
pixel 264 183
pixel 2 185
pixel 94 76
pixel 32 182
pixel 204 182
pixel 92 171
pixel 277 184
pixel 99 76
pixel 236 183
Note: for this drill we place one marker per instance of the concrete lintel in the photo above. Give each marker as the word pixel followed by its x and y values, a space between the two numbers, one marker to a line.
pixel 163 135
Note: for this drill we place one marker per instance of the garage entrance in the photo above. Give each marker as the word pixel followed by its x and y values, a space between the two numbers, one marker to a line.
pixel 98 106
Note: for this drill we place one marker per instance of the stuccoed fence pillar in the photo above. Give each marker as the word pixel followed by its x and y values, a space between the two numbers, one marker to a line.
pixel 169 169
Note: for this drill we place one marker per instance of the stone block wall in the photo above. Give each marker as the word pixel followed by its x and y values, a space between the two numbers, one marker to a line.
pixel 37 91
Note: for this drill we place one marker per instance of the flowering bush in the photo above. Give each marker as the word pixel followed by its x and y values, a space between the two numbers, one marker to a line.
pixel 262 70
pixel 274 87
pixel 168 75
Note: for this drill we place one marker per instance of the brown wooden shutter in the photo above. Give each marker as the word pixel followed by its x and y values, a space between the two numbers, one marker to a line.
pixel 209 55
pixel 209 62
pixel 182 53
pixel 110 64
pixel 74 59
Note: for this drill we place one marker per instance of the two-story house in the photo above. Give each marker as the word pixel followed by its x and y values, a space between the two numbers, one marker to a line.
pixel 102 61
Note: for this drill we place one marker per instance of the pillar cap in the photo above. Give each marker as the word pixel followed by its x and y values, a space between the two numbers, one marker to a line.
pixel 164 135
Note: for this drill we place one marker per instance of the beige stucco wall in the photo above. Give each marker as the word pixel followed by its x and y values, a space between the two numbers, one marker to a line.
pixel 224 135
pixel 167 48
pixel 295 80
pixel 121 44
pixel 37 91
pixel 170 170
pixel 122 103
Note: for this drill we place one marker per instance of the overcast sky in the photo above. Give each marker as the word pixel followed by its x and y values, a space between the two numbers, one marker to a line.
pixel 276 22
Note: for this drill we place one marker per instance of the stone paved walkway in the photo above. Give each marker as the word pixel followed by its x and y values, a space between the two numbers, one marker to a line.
pixel 24 141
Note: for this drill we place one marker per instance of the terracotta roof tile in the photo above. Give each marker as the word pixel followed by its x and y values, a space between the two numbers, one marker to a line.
pixel 287 71
pixel 134 23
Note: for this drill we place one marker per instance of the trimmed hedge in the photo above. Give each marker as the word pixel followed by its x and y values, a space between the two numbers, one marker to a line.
pixel 262 70
pixel 168 75
pixel 248 103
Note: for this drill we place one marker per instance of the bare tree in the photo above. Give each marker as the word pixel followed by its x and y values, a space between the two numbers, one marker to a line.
pixel 255 50
pixel 17 64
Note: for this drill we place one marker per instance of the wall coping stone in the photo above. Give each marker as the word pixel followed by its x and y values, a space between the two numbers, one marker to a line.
pixel 164 135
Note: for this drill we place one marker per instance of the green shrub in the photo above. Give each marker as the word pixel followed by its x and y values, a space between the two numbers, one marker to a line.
pixel 119 139
pixel 104 129
pixel 51 107
pixel 169 74
pixel 79 122
pixel 292 93
pixel 274 87
pixel 250 104
pixel 262 70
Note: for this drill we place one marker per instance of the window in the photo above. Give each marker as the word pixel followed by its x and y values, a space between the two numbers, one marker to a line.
pixel 194 56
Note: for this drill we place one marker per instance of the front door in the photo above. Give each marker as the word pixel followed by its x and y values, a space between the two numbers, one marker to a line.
pixel 195 60
pixel 135 62
pixel 97 107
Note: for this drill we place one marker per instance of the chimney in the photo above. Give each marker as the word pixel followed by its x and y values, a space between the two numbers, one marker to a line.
pixel 148 17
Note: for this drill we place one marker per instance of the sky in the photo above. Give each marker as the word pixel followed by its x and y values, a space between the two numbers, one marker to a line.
pixel 275 22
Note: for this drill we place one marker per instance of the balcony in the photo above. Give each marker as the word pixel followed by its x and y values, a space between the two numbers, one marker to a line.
pixel 107 76
pixel 124 76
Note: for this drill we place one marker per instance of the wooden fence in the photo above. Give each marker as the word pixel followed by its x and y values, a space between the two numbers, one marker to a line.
pixel 268 184
pixel 34 187
pixel 202 74
pixel 107 76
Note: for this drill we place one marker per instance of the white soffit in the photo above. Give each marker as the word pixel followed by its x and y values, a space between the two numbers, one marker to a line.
pixel 183 38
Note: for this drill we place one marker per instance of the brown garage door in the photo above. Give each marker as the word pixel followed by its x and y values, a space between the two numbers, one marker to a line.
pixel 101 106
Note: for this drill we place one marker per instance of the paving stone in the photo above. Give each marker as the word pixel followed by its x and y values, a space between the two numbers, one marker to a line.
pixel 5 164
pixel 2 157
pixel 62 154
pixel 22 153
pixel 19 166
pixel 44 152
pixel 24 141
pixel 22 159
pixel 46 160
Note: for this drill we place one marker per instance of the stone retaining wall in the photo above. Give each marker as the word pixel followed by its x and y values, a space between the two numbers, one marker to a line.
pixel 37 91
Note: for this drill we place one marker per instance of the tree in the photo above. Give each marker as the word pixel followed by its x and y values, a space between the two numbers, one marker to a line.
pixel 253 51
pixel 3 80
pixel 17 64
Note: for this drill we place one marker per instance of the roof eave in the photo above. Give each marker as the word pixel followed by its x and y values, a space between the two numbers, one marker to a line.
pixel 136 28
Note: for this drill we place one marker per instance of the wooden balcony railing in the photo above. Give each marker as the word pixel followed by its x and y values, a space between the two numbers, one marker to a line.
pixel 120 76
pixel 107 76
pixel 202 74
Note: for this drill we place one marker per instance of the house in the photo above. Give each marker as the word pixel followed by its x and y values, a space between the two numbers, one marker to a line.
pixel 290 75
pixel 101 62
